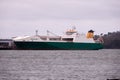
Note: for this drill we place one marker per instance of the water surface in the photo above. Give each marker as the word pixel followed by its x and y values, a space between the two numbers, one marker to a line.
pixel 60 64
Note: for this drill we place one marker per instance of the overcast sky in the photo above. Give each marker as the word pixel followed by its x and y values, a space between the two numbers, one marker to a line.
pixel 23 17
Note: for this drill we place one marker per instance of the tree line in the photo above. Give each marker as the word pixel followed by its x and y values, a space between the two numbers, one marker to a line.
pixel 111 40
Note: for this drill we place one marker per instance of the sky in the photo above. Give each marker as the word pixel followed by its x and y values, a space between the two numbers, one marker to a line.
pixel 24 17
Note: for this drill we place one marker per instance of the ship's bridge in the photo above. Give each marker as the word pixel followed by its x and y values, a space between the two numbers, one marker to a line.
pixel 71 31
pixel 69 35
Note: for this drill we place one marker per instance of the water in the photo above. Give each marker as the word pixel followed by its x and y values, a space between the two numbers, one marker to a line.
pixel 60 64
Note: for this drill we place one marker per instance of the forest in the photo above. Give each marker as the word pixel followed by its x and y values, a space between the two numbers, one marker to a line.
pixel 111 40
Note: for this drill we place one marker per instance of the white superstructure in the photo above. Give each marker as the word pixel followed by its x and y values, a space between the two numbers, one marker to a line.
pixel 70 36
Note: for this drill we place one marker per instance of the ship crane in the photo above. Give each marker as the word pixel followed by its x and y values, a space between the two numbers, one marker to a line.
pixel 55 37
pixel 49 32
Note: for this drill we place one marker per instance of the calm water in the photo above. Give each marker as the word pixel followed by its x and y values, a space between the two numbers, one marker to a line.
pixel 60 64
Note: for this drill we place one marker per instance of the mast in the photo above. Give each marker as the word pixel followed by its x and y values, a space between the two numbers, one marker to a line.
pixel 36 32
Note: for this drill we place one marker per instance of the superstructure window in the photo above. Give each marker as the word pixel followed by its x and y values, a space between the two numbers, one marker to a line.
pixel 54 38
pixel 43 38
pixel 68 39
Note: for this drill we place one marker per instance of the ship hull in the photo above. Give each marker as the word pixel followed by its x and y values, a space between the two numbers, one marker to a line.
pixel 23 45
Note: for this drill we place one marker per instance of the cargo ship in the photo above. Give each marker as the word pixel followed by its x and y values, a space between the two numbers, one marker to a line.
pixel 71 40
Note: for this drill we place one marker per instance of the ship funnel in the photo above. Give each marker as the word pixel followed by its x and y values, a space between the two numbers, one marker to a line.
pixel 90 34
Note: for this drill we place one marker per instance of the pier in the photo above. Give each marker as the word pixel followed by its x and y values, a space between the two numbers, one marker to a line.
pixel 6 44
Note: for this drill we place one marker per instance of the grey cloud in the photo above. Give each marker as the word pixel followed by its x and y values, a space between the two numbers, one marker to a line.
pixel 20 14
pixel 60 10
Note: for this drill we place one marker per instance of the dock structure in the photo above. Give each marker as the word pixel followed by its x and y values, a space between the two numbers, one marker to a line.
pixel 6 44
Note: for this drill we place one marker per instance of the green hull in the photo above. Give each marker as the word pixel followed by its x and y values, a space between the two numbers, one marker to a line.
pixel 57 46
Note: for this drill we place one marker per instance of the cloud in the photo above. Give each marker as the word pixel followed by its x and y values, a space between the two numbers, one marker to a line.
pixel 19 15
pixel 65 9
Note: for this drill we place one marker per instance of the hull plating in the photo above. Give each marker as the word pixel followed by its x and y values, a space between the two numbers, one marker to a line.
pixel 57 46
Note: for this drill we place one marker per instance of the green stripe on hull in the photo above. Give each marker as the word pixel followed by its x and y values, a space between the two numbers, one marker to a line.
pixel 58 45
